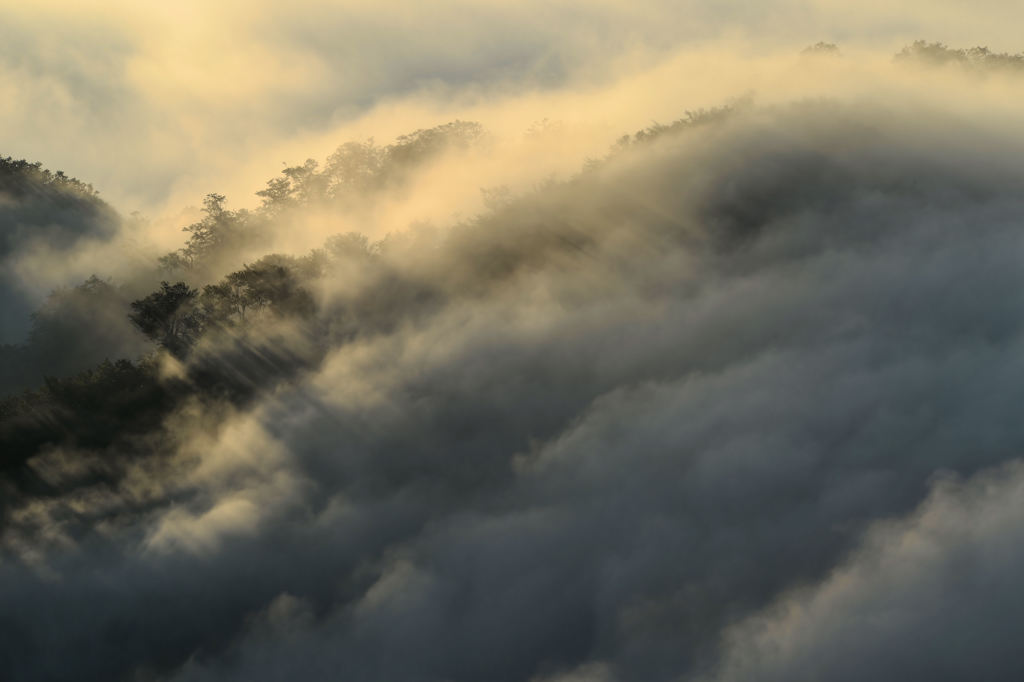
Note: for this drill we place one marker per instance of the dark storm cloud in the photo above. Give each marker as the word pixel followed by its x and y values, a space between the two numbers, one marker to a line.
pixel 608 431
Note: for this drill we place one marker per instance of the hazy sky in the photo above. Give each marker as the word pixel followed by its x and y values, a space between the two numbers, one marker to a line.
pixel 158 103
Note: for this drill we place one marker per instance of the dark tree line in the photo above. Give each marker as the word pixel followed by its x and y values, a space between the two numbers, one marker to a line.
pixel 175 316
pixel 43 205
pixel 354 172
pixel 358 168
pixel 938 54
pixel 22 177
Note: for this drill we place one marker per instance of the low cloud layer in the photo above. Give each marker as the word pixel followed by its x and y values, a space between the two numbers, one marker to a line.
pixel 737 401
pixel 888 612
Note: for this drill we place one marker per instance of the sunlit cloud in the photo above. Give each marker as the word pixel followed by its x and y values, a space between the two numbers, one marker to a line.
pixel 529 342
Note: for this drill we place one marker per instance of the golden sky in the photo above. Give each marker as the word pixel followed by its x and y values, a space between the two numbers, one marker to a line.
pixel 158 103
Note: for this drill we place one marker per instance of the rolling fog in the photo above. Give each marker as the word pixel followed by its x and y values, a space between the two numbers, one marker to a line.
pixel 597 375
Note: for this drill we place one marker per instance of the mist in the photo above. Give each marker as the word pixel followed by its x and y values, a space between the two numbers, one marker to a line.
pixel 660 351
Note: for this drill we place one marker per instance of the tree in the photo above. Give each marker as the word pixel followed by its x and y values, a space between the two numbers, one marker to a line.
pixel 820 49
pixel 218 230
pixel 300 185
pixel 351 245
pixel 268 286
pixel 422 145
pixel 938 54
pixel 169 318
pixel 355 167
pixel 265 285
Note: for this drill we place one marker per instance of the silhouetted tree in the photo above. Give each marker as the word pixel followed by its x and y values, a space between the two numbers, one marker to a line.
pixel 357 169
pixel 218 230
pixel 168 317
pixel 938 54
pixel 269 286
pixel 820 49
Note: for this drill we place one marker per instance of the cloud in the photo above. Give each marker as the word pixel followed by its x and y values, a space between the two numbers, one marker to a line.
pixel 929 595
pixel 197 98
pixel 639 422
